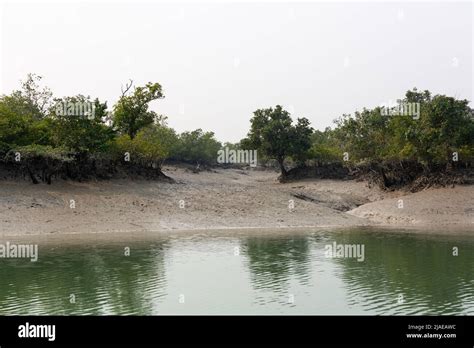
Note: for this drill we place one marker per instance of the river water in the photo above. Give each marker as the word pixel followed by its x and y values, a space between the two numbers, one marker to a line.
pixel 246 273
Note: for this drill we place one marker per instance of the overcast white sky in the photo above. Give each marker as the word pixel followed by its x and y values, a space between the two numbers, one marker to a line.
pixel 218 63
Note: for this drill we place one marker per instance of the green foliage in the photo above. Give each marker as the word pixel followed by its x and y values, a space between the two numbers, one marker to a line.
pixel 324 148
pixel 273 134
pixel 149 148
pixel 444 126
pixel 31 100
pixel 81 133
pixel 23 116
pixel 52 137
pixel 14 128
pixel 50 133
pixel 364 135
pixel 197 147
pixel 301 140
pixel 43 152
pixel 131 113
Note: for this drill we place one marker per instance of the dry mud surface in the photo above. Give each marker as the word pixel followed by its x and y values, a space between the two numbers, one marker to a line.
pixel 224 199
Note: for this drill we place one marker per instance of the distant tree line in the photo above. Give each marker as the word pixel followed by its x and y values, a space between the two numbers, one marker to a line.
pixel 393 146
pixel 42 136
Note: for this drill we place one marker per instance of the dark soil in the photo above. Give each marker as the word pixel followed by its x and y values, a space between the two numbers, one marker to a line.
pixel 389 175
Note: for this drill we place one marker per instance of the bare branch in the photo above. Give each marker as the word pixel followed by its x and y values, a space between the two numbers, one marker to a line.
pixel 127 87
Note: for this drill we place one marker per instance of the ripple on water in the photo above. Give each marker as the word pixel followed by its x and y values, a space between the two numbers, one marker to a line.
pixel 401 274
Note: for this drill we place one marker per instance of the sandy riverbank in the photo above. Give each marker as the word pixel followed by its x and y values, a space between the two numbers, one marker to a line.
pixel 223 199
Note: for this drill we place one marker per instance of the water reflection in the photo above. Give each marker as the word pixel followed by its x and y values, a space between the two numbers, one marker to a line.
pixel 273 261
pixel 400 274
pixel 409 274
pixel 84 280
pixel 275 265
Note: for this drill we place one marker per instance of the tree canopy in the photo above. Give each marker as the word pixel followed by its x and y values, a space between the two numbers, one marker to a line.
pixel 131 113
pixel 272 132
pixel 78 135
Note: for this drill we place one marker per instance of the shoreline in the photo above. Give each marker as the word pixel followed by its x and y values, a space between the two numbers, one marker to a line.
pixel 226 201
pixel 137 238
pixel 232 231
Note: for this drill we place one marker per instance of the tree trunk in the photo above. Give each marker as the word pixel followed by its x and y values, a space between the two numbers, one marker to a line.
pixel 282 167
pixel 33 178
pixel 384 178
